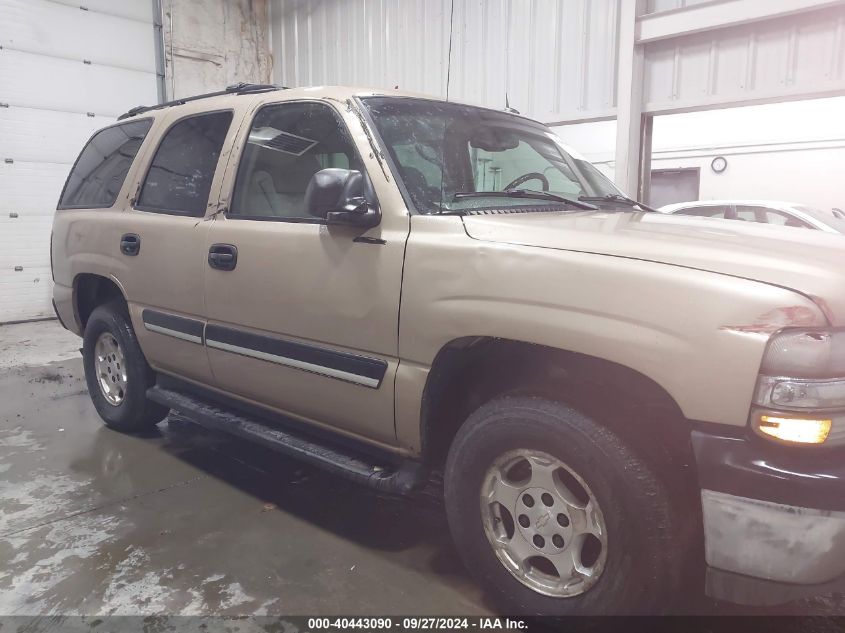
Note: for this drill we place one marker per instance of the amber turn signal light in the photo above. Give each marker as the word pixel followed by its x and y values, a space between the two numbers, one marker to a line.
pixel 795 430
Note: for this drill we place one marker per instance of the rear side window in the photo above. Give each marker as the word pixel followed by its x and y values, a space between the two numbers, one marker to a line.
pixel 99 172
pixel 180 175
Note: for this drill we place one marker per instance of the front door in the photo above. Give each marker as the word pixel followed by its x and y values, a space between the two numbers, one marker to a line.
pixel 303 317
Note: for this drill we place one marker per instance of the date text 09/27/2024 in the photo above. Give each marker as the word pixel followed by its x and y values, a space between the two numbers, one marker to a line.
pixel 417 624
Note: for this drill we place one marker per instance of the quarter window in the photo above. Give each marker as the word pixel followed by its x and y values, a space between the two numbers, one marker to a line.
pixel 180 175
pixel 287 145
pixel 99 172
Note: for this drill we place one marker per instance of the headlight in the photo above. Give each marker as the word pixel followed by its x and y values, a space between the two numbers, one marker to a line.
pixel 800 394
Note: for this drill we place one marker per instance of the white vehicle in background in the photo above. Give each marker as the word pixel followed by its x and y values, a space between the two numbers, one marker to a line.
pixel 763 212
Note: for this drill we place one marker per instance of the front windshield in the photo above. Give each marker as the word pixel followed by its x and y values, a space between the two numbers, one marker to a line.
pixel 443 149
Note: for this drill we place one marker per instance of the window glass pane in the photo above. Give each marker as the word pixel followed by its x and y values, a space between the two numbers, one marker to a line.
pixel 772 217
pixel 419 165
pixel 783 219
pixel 287 145
pixel 179 179
pixel 340 161
pixel 443 149
pixel 750 214
pixel 494 171
pixel 101 168
pixel 709 212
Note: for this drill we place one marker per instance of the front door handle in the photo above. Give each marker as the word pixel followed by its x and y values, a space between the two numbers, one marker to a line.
pixel 130 244
pixel 223 256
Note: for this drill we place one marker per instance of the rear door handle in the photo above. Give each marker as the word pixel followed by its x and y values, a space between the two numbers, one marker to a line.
pixel 130 244
pixel 223 256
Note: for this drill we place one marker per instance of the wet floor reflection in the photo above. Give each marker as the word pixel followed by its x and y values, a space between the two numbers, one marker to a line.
pixel 183 520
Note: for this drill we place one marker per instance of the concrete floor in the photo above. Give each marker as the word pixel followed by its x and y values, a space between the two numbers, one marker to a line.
pixel 186 522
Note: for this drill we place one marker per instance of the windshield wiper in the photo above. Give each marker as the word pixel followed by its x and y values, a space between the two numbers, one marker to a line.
pixel 615 197
pixel 524 193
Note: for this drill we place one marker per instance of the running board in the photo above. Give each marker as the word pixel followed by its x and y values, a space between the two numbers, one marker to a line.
pixel 403 479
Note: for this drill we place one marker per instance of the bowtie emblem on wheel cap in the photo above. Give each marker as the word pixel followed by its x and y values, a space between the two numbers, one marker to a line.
pixel 542 520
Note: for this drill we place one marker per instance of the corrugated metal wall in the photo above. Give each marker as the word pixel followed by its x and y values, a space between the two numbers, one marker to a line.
pixel 795 56
pixel 364 42
pixel 554 60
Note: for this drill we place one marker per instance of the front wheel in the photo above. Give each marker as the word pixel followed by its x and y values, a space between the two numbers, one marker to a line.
pixel 116 371
pixel 554 515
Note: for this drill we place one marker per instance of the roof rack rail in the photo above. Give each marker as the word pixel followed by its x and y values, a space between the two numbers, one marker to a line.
pixel 236 89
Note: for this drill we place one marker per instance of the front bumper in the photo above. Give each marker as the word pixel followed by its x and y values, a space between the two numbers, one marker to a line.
pixel 774 519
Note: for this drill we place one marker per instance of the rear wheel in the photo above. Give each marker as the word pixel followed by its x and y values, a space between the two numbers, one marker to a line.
pixel 116 371
pixel 554 515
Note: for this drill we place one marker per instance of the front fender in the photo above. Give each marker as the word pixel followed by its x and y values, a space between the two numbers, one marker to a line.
pixel 699 335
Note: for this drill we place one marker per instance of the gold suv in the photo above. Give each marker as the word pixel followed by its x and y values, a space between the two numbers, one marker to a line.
pixel 621 401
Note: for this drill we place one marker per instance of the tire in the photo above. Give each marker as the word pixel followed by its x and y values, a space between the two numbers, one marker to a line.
pixel 641 564
pixel 130 410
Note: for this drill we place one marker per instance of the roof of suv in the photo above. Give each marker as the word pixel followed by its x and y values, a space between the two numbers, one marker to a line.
pixel 269 92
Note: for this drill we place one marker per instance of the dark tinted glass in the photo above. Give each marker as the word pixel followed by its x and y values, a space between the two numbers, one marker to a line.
pixel 287 145
pixel 181 172
pixel 101 168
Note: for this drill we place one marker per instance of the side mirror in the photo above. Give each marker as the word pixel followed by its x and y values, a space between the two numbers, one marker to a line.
pixel 340 196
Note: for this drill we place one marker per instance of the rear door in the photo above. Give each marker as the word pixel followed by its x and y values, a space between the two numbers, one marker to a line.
pixel 306 319
pixel 161 239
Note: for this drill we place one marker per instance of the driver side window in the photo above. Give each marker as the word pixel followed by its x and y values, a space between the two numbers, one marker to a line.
pixel 494 171
pixel 288 143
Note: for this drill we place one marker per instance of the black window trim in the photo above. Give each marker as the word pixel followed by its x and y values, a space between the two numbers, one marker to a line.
pixel 148 209
pixel 61 207
pixel 272 218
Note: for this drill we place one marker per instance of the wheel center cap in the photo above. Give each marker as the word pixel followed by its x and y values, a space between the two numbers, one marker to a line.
pixel 541 518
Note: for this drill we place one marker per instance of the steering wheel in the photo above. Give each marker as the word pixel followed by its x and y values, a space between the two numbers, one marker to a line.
pixel 530 176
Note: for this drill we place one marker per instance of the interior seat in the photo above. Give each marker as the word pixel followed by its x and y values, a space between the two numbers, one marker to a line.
pixel 262 197
pixel 291 182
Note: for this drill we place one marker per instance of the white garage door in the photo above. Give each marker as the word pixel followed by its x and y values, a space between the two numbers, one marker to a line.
pixel 65 71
